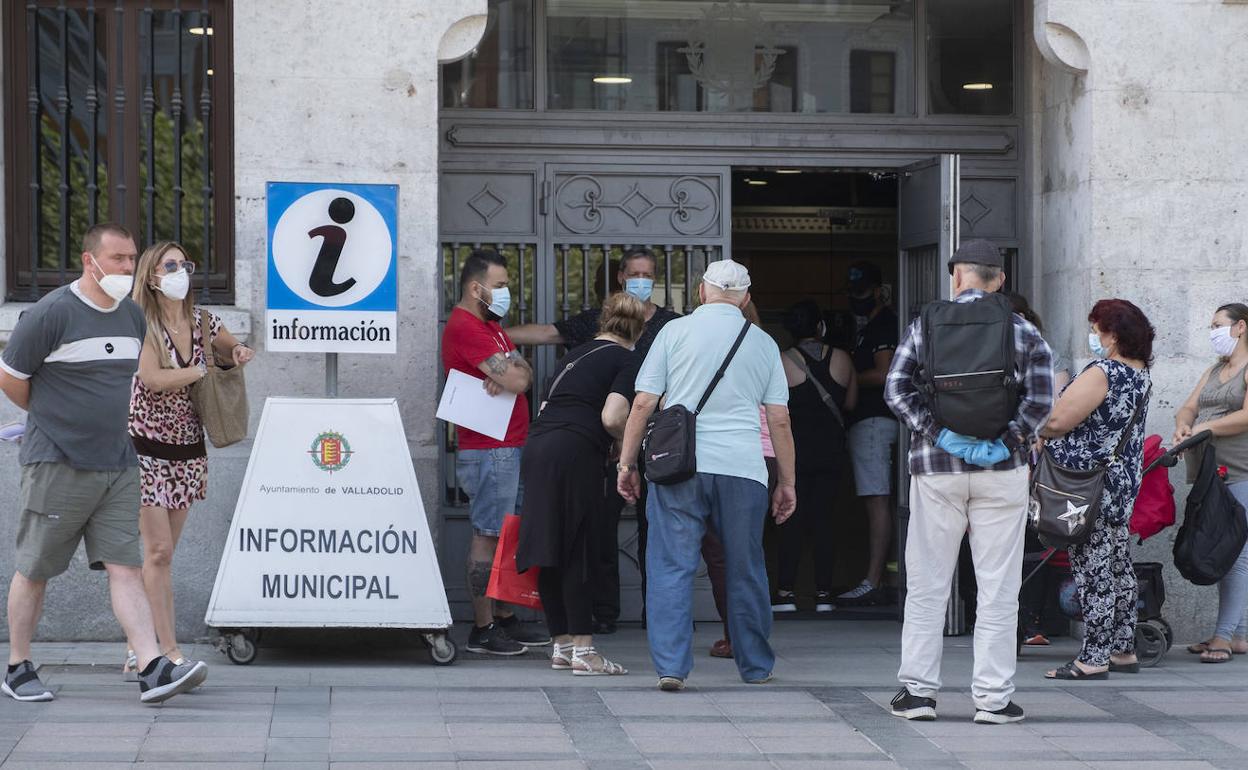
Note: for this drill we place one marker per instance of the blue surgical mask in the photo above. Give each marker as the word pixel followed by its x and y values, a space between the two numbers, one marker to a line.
pixel 641 288
pixel 1094 343
pixel 500 302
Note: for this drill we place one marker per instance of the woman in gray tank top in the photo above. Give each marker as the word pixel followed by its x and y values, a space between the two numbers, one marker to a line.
pixel 1220 404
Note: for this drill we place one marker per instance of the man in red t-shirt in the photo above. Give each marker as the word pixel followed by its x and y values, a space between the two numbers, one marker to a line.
pixel 488 470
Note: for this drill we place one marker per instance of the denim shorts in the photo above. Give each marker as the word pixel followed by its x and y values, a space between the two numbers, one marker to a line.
pixel 871 444
pixel 491 479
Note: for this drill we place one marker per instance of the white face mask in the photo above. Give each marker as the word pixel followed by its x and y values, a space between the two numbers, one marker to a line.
pixel 1222 341
pixel 115 285
pixel 175 285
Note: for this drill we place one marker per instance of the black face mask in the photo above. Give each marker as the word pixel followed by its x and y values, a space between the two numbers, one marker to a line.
pixel 862 306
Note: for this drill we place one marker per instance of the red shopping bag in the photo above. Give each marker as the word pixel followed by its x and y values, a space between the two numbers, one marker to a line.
pixel 507 585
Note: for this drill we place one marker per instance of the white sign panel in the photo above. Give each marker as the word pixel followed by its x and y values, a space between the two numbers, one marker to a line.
pixel 332 268
pixel 329 529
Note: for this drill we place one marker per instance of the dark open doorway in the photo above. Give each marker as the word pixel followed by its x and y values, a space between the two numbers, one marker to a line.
pixel 799 231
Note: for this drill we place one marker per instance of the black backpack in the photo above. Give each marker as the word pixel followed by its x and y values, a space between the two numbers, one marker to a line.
pixel 967 369
pixel 1214 529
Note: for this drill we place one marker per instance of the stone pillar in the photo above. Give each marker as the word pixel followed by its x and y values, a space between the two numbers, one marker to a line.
pixel 1143 185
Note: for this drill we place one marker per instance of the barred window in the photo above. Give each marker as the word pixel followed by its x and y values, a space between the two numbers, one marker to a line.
pixel 117 111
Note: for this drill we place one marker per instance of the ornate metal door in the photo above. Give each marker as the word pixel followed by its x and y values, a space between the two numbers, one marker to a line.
pixel 563 228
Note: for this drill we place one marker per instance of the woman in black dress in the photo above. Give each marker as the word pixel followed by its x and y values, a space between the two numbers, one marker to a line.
pixel 817 408
pixel 562 470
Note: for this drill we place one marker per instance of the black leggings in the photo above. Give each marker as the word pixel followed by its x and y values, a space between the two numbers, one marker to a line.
pixel 811 523
pixel 568 597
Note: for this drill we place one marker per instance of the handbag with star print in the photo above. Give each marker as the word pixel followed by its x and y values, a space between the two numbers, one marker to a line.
pixel 1066 501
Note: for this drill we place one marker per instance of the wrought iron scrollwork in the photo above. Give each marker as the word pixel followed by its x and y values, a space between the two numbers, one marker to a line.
pixel 693 206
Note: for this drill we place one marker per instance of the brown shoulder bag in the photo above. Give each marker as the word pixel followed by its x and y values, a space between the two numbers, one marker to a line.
pixel 220 397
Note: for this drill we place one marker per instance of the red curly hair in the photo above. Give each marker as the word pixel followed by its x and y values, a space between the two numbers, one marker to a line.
pixel 1129 324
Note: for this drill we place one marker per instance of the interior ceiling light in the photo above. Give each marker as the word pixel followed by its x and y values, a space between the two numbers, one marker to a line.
pixel 201 30
pixel 788 171
pixel 613 80
pixel 756 182
pixel 977 86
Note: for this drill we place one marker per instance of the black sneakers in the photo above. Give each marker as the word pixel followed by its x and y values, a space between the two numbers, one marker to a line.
pixel 527 634
pixel 1003 716
pixel 784 601
pixel 823 601
pixel 910 706
pixel 493 640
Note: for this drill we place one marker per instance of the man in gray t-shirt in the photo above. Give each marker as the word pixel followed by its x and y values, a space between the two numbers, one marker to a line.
pixel 70 363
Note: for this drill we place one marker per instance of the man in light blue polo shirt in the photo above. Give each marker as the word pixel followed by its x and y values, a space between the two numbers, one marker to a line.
pixel 729 491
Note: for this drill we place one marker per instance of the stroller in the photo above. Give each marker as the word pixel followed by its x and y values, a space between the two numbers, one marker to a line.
pixel 1154 511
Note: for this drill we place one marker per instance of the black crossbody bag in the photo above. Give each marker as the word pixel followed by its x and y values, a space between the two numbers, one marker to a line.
pixel 1064 501
pixel 669 444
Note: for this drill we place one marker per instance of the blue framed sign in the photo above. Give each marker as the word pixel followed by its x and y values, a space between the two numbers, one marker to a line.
pixel 332 268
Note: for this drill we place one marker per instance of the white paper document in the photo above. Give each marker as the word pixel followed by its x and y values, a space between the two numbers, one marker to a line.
pixel 465 403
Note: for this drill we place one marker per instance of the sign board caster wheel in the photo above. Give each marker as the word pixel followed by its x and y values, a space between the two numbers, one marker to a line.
pixel 242 647
pixel 1150 643
pixel 442 650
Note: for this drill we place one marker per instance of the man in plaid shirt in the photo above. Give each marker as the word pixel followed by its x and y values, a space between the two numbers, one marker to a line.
pixel 960 485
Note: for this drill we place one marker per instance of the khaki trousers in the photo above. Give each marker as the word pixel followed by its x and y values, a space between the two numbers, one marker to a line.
pixel 992 506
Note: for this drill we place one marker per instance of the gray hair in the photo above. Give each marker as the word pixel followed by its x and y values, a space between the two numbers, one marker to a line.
pixel 985 273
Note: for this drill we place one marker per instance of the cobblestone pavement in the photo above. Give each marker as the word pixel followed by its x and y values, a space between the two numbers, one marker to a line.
pixel 378 704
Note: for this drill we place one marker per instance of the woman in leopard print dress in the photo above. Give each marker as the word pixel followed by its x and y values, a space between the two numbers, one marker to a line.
pixel 164 426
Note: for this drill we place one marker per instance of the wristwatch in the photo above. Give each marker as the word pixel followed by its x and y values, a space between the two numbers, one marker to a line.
pixel 622 468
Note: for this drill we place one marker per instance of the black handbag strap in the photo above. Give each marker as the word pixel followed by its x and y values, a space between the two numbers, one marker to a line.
pixel 723 367
pixel 567 368
pixel 1126 432
pixel 828 400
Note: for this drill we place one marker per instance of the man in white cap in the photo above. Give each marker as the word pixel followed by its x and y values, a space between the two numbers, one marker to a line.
pixel 729 490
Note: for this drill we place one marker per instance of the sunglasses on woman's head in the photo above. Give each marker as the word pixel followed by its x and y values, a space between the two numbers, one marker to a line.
pixel 172 266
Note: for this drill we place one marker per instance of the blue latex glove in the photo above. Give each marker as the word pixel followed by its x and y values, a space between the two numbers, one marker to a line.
pixel 987 453
pixel 955 443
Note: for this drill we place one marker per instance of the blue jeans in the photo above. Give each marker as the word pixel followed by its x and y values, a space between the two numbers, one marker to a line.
pixel 491 479
pixel 1233 587
pixel 679 515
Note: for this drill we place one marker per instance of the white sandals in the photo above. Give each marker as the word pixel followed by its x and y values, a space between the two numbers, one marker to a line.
pixel 587 661
pixel 561 658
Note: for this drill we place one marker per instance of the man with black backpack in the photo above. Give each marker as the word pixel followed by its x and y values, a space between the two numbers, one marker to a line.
pixel 974 383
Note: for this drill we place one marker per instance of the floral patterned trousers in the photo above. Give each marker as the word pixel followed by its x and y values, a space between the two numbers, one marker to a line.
pixel 1108 592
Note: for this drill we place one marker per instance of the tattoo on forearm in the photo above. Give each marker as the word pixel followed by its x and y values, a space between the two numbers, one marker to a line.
pixel 519 360
pixel 497 364
pixel 479 577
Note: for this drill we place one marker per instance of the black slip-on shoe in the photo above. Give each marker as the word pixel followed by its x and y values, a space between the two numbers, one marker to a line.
pixel 1002 716
pixel 909 706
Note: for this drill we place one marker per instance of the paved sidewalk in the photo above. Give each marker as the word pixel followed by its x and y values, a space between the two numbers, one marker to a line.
pixel 356 704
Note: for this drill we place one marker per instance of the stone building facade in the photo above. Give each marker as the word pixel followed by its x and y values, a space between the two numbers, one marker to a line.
pixel 1115 171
